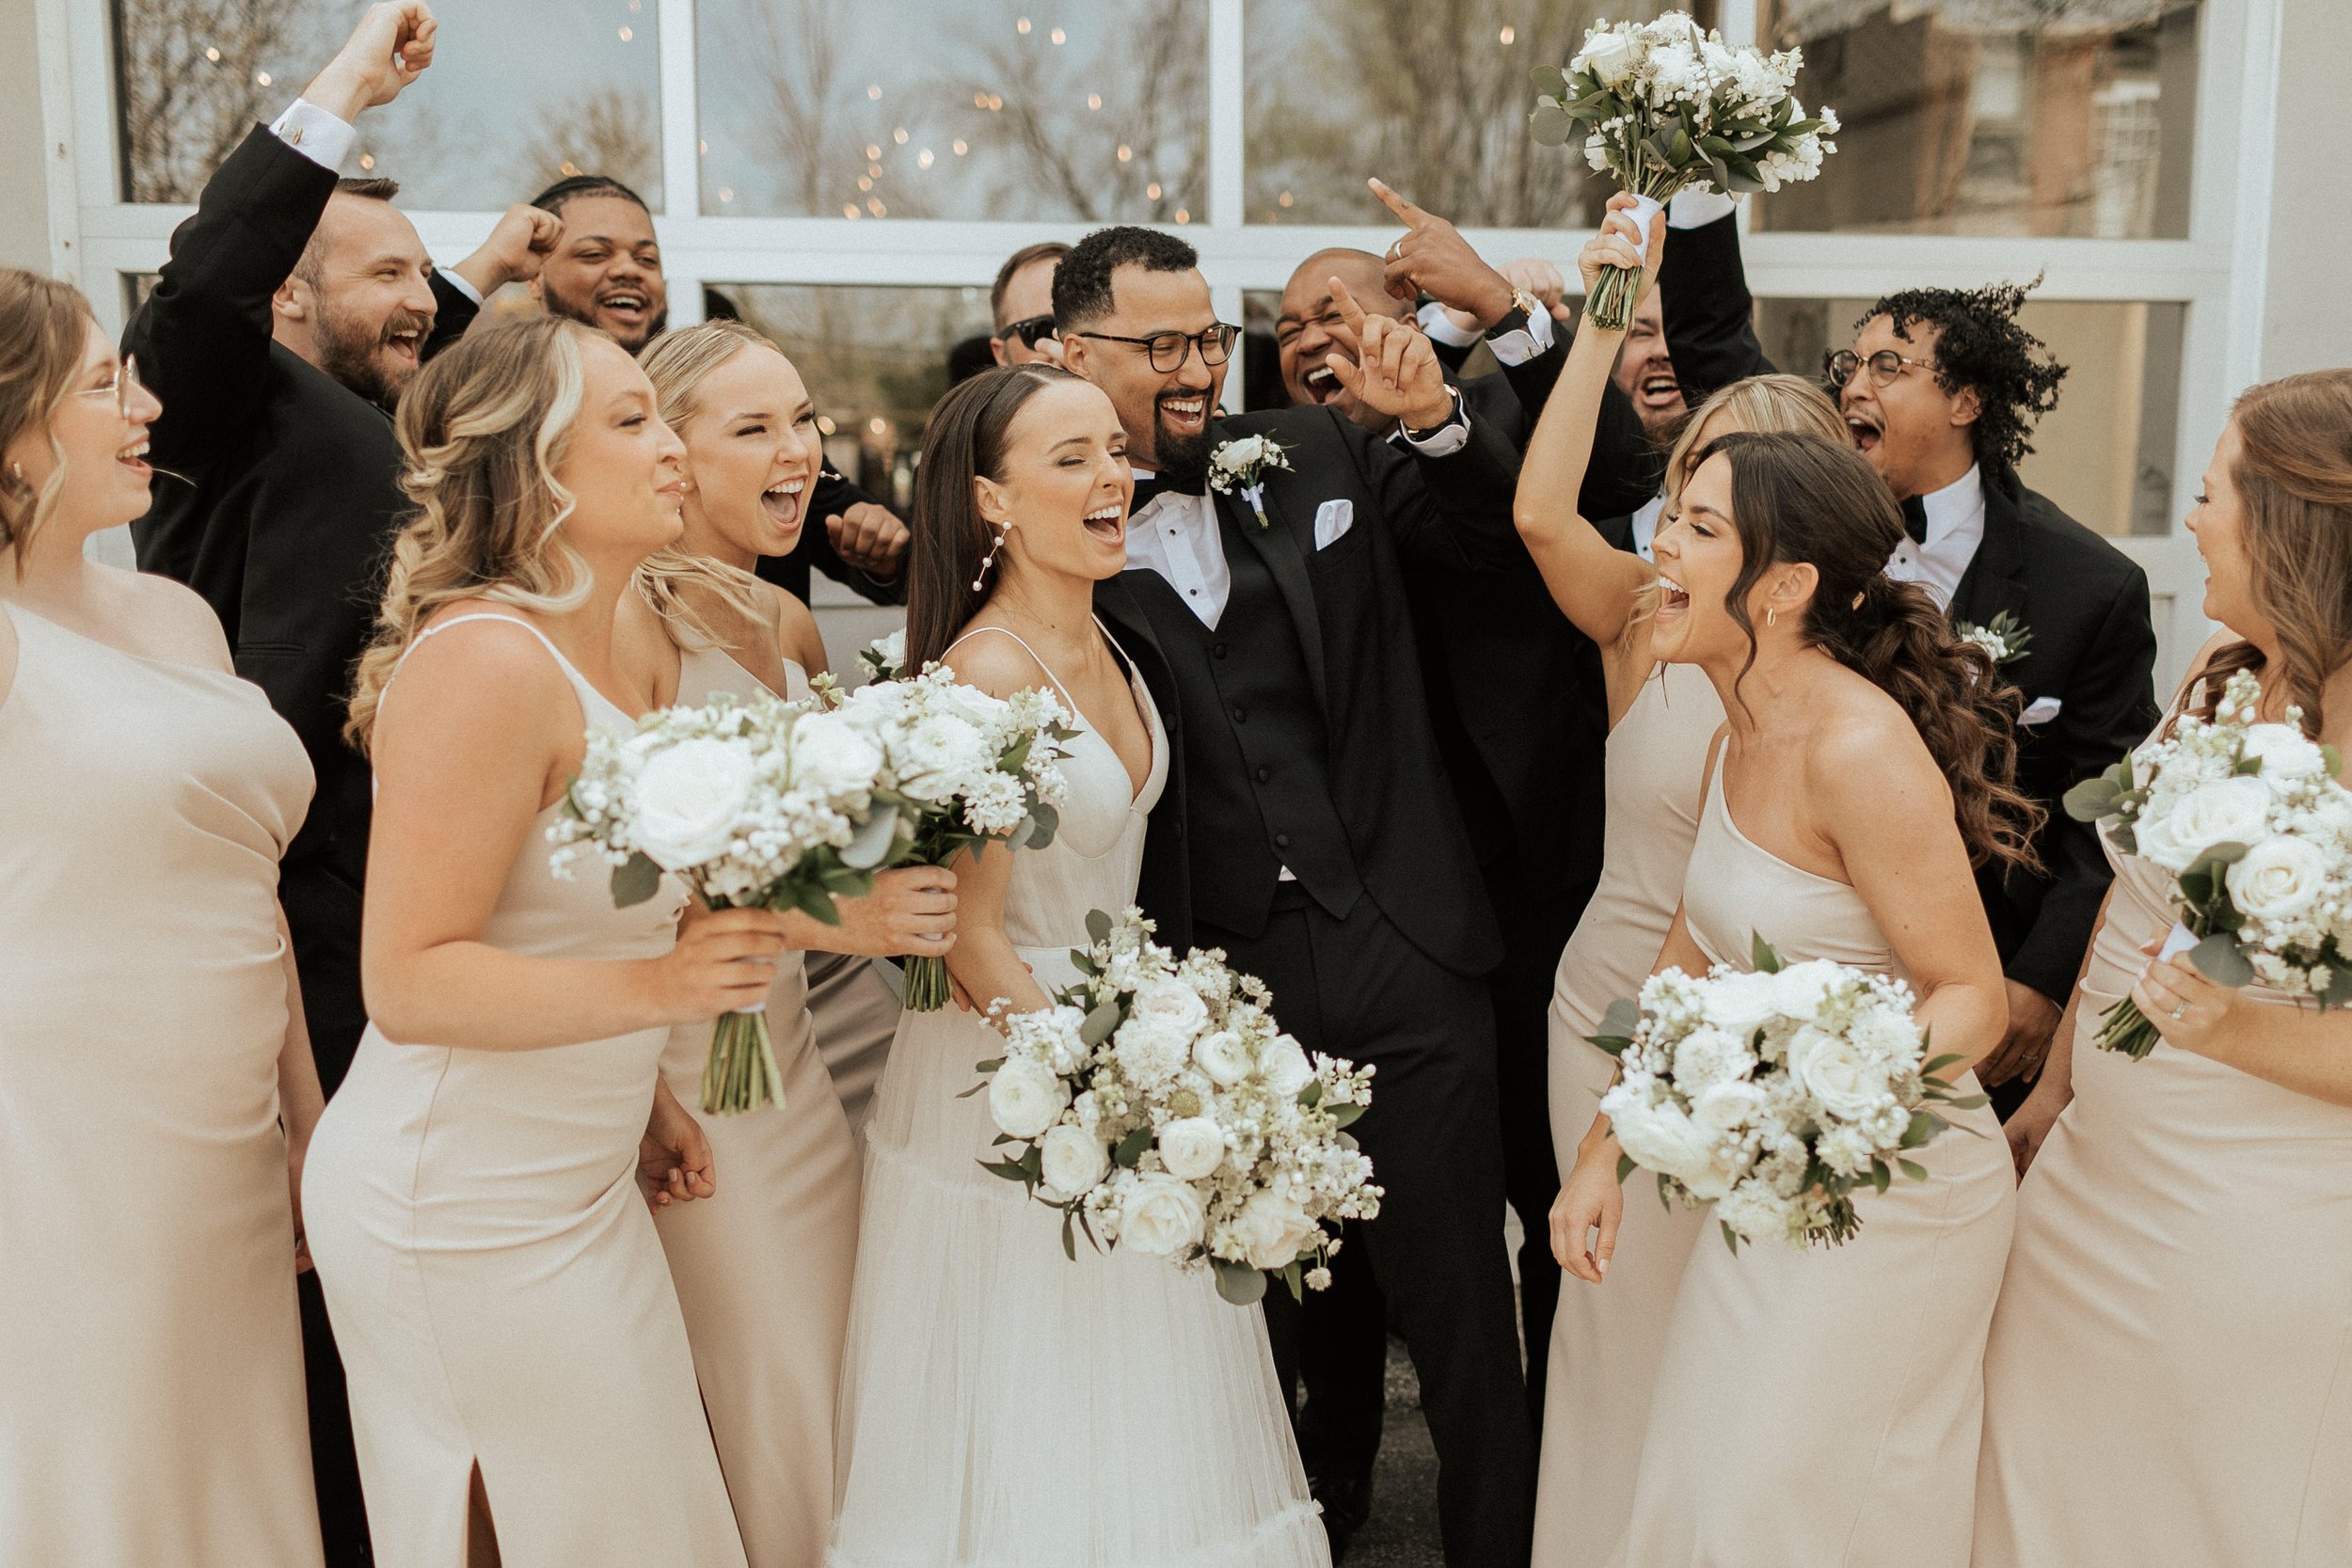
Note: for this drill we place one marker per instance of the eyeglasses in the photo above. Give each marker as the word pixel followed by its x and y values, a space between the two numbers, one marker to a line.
pixel 1886 365
pixel 124 386
pixel 1030 330
pixel 1170 350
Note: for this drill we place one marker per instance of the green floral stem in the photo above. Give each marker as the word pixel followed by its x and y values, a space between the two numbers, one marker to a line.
pixel 740 1072
pixel 926 984
pixel 2123 1027
pixel 1615 298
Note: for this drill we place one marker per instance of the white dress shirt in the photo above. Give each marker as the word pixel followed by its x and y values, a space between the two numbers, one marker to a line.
pixel 1955 528
pixel 1645 520
pixel 1515 347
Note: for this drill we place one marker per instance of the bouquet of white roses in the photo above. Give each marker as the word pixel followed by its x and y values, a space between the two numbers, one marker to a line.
pixel 960 770
pixel 761 805
pixel 1775 1093
pixel 2249 819
pixel 1159 1104
pixel 1663 106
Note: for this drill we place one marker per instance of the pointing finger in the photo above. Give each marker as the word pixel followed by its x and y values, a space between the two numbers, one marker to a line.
pixel 1409 214
pixel 1350 313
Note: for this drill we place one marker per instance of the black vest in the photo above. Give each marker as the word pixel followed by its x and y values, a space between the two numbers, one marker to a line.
pixel 1257 769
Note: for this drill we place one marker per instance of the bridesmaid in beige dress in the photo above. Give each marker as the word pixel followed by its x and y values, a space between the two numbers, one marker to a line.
pixel 1605 1343
pixel 1823 1406
pixel 156 1086
pixel 2170 1375
pixel 521 1385
pixel 763 1266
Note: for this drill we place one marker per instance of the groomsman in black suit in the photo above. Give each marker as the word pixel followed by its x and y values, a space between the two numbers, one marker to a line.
pixel 1309 827
pixel 293 308
pixel 1524 754
pixel 1941 389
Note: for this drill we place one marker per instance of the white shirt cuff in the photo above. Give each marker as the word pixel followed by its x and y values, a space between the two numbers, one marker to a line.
pixel 1441 330
pixel 1694 209
pixel 318 135
pixel 1447 440
pixel 456 279
pixel 1515 347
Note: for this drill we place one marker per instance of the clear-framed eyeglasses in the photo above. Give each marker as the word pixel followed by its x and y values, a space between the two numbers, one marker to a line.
pixel 124 386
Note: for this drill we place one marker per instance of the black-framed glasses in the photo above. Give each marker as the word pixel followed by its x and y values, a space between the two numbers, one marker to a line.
pixel 1886 365
pixel 1170 350
pixel 123 386
pixel 1031 330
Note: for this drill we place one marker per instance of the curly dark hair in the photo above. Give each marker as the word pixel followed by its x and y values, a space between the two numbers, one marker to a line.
pixel 1980 347
pixel 1081 284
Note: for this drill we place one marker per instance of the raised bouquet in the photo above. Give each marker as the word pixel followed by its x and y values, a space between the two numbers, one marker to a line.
pixel 959 769
pixel 1158 1104
pixel 767 804
pixel 1663 106
pixel 2257 832
pixel 1775 1093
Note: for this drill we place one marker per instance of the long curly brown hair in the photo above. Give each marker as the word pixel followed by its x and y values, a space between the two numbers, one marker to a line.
pixel 1800 499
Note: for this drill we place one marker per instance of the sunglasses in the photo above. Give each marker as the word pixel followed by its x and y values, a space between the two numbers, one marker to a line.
pixel 1031 330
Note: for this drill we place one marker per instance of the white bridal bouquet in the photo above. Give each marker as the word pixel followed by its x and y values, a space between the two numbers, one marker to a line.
pixel 766 804
pixel 2249 819
pixel 1774 1093
pixel 1159 1104
pixel 958 769
pixel 1663 106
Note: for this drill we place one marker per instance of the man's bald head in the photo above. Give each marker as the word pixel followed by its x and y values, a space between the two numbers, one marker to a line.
pixel 1309 325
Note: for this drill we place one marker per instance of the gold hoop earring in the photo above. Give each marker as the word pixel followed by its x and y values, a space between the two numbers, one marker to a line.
pixel 1771 616
pixel 981 578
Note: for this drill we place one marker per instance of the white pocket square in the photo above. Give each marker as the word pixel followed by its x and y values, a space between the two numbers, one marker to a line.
pixel 2041 711
pixel 1332 520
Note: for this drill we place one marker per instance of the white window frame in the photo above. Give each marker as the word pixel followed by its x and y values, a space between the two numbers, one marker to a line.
pixel 2218 271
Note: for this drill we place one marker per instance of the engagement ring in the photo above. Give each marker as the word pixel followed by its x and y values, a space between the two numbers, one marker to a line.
pixel 2178 1011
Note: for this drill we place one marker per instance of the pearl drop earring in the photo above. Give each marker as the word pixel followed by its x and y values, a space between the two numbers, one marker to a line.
pixel 1002 530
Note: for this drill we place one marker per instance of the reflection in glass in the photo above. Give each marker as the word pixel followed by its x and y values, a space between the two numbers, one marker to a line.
pixel 2105 455
pixel 955 109
pixel 519 95
pixel 1997 116
pixel 1433 99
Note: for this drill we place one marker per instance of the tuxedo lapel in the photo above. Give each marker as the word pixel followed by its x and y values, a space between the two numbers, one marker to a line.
pixel 1277 543
pixel 1995 580
pixel 1130 623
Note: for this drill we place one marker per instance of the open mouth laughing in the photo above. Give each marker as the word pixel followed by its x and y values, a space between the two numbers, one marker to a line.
pixel 1322 384
pixel 1184 413
pixel 627 307
pixel 1658 392
pixel 134 457
pixel 1107 523
pixel 1673 599
pixel 1866 431
pixel 782 503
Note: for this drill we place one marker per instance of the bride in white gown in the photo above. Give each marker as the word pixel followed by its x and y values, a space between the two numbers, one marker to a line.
pixel 1003 1406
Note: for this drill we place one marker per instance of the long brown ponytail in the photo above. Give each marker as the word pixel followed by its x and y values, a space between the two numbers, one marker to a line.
pixel 1800 499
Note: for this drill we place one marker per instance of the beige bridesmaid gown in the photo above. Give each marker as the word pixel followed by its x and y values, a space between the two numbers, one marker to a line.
pixel 1822 1408
pixel 151 1352
pixel 1605 1341
pixel 856 1015
pixel 2170 1376
pixel 494 1277
pixel 763 1266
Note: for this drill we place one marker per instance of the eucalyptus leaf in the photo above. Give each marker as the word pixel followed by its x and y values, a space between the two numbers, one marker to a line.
pixel 1922 1127
pixel 1627 1165
pixel 1912 1168
pixel 1940 1063
pixel 1098 925
pixel 1347 1114
pixel 1045 822
pixel 870 845
pixel 2092 799
pixel 2123 838
pixel 2221 855
pixel 1548 126
pixel 2218 959
pixel 1731 1238
pixel 1099 1024
pixel 1131 1148
pixel 634 881
pixel 2338 988
pixel 1549 79
pixel 1238 1283
pixel 1069 1241
pixel 1762 956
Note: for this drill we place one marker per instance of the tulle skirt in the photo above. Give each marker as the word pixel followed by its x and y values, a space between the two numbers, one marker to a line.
pixel 1003 1406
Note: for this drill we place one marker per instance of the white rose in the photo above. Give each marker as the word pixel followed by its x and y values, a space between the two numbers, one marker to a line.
pixel 833 752
pixel 1611 57
pixel 1706 1056
pixel 1799 989
pixel 1192 1148
pixel 2227 810
pixel 1724 1108
pixel 1225 1056
pixel 1272 1231
pixel 2278 879
pixel 1740 1004
pixel 2285 753
pixel 1287 1070
pixel 1172 1005
pixel 687 799
pixel 1163 1216
pixel 1071 1160
pixel 1024 1097
pixel 1838 1073
pixel 936 753
pixel 1661 1138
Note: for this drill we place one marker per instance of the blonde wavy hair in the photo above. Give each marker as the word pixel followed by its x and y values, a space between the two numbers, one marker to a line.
pixel 683 588
pixel 484 428
pixel 44 329
pixel 2293 480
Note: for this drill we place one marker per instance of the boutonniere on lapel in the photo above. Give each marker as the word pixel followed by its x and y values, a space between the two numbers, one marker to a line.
pixel 2002 638
pixel 1242 464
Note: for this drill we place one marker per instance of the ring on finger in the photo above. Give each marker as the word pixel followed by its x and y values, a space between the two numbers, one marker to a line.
pixel 2176 1013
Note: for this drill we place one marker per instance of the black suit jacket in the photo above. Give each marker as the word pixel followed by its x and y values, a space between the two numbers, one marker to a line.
pixel 2093 650
pixel 1708 314
pixel 830 497
pixel 1348 605
pixel 285 501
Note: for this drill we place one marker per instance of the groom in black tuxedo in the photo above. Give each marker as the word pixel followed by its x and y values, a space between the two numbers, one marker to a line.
pixel 1308 827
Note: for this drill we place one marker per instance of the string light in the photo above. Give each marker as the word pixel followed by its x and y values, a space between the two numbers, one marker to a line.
pixel 849 210
pixel 878 425
pixel 1284 199
pixel 979 100
pixel 923 159
pixel 627 35
pixel 1126 154
pixel 704 147
pixel 874 205
pixel 1510 35
pixel 262 77
pixel 567 169
pixel 367 159
pixel 960 146
pixel 1094 101
pixel 1057 36
pixel 873 90
pixel 900 135
pixel 873 150
pixel 1152 190
pixel 825 424
pixel 864 182
pixel 995 102
pixel 213 55
pixel 1182 215
pixel 874 169
pixel 726 193
pixel 1021 26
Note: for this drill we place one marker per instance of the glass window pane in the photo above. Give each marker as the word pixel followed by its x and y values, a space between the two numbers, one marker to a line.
pixel 1997 116
pixel 1433 99
pixel 517 95
pixel 955 109
pixel 2105 455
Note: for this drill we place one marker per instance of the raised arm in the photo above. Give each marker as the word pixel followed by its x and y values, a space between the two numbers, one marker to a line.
pixel 1592 582
pixel 1703 303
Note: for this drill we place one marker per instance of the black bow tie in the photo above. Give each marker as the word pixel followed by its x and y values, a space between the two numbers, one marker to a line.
pixel 1915 519
pixel 1149 486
